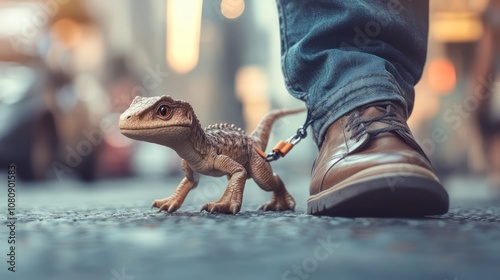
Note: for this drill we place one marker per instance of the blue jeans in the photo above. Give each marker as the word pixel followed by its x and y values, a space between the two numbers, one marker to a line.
pixel 338 55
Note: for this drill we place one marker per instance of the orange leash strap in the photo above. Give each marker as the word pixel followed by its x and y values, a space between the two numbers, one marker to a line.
pixel 283 147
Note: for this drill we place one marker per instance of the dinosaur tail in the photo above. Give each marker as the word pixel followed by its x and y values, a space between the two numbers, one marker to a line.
pixel 262 132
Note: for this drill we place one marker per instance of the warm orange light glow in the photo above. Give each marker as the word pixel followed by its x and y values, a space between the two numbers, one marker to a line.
pixel 183 34
pixel 478 5
pixel 232 8
pixel 456 27
pixel 67 32
pixel 251 87
pixel 442 76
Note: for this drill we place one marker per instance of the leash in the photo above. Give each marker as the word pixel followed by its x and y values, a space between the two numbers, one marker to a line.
pixel 284 147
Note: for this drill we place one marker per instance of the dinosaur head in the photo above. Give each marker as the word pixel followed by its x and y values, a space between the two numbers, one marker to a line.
pixel 158 119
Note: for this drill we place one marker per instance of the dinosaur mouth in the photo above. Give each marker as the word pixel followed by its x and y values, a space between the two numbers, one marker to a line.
pixel 158 134
pixel 125 129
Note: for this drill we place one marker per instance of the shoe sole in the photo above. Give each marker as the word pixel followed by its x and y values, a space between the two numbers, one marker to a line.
pixel 390 190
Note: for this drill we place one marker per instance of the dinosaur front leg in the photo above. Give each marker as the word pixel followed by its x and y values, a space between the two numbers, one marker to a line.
pixel 231 200
pixel 175 201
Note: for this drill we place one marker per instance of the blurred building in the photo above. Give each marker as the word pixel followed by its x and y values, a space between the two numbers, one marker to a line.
pixel 446 117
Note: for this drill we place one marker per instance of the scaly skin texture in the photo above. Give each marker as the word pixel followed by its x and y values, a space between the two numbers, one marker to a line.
pixel 217 150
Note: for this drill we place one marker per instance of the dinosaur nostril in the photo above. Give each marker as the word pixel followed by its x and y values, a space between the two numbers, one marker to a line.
pixel 128 117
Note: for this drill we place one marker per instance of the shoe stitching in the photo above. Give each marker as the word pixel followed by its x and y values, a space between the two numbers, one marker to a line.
pixel 340 157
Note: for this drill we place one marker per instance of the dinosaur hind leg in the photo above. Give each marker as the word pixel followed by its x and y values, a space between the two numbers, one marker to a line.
pixel 263 175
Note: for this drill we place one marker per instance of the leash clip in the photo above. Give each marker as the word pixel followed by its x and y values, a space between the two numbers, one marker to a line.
pixel 284 147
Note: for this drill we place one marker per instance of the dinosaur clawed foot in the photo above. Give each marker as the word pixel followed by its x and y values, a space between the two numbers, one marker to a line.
pixel 281 202
pixel 168 204
pixel 231 207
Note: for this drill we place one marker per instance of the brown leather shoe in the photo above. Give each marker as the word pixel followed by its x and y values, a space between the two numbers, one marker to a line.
pixel 370 165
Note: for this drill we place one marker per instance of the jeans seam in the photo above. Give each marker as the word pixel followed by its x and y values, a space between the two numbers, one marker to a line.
pixel 360 77
pixel 301 95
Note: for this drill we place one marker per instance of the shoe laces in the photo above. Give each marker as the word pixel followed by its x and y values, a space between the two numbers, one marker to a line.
pixel 388 116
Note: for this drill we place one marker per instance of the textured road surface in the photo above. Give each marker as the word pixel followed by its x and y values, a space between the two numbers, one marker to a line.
pixel 106 231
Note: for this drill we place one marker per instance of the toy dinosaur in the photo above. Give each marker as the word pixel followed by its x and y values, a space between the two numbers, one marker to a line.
pixel 217 150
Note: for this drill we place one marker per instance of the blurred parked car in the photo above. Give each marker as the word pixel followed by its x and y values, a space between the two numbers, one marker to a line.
pixel 41 120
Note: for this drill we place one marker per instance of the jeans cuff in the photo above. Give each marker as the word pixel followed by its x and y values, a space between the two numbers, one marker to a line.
pixel 365 90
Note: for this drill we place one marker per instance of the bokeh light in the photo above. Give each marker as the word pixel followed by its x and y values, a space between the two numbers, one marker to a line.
pixel 442 76
pixel 232 9
pixel 183 34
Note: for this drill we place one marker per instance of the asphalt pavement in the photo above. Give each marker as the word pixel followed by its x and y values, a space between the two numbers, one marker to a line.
pixel 106 230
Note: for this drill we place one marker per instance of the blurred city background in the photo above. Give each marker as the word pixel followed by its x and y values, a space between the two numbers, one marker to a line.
pixel 68 68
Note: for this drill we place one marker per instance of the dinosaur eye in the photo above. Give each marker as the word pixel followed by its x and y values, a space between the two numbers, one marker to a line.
pixel 163 111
